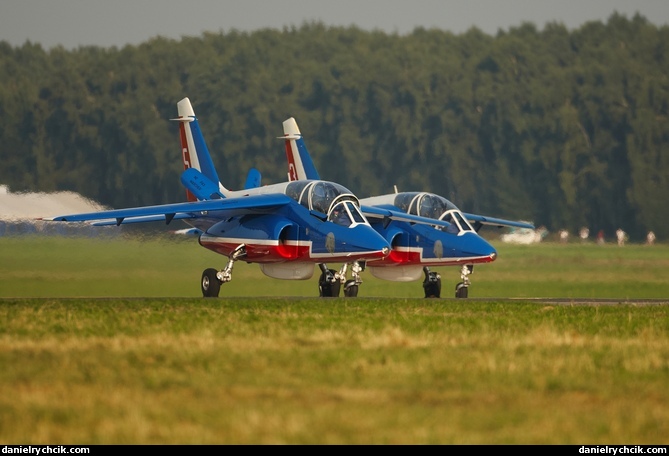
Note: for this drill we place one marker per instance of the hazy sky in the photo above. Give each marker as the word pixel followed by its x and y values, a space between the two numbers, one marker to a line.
pixel 72 23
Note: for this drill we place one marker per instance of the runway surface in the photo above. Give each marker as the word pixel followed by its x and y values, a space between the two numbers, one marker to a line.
pixel 583 301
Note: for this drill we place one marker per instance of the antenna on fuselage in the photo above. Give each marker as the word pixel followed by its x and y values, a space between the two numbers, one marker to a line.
pixel 395 187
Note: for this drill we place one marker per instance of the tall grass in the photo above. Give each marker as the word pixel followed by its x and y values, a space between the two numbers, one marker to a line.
pixel 333 371
pixel 109 342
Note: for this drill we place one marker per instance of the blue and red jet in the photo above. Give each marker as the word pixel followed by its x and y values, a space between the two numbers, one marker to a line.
pixel 415 248
pixel 285 228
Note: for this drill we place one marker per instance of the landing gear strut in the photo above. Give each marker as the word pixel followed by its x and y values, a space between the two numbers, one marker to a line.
pixel 213 279
pixel 432 283
pixel 351 285
pixel 461 289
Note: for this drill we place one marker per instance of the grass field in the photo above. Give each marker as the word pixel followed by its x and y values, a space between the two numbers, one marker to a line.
pixel 171 267
pixel 110 343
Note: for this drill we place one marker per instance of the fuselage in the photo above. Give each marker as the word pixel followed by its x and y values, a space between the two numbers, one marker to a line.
pixel 415 244
pixel 321 223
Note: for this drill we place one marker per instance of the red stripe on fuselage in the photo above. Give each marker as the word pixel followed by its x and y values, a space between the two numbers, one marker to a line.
pixel 414 257
pixel 260 252
pixel 279 252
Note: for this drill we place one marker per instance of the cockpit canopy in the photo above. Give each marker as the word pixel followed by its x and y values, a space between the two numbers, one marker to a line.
pixel 433 206
pixel 333 200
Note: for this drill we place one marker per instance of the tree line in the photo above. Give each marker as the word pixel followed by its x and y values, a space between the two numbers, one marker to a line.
pixel 566 128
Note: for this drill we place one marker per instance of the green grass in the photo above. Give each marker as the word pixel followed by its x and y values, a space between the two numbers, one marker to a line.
pixel 111 343
pixel 313 371
pixel 171 267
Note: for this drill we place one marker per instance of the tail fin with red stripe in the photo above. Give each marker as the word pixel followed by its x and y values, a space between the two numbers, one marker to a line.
pixel 194 149
pixel 300 165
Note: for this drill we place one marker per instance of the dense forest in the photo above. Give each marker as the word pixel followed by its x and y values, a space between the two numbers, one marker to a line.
pixel 566 128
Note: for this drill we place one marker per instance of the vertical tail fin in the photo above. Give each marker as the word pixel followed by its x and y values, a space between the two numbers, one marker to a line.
pixel 300 165
pixel 253 179
pixel 194 149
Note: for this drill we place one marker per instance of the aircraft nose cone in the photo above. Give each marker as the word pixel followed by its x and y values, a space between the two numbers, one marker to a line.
pixel 488 250
pixel 360 241
pixel 367 242
pixel 479 247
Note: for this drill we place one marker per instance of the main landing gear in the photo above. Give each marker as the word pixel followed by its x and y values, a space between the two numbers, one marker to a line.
pixel 330 281
pixel 213 279
pixel 432 283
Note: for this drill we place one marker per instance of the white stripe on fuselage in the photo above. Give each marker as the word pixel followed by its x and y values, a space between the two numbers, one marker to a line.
pixel 275 243
pixel 444 261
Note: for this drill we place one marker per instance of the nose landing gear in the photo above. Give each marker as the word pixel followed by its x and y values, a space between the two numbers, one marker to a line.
pixel 461 289
pixel 351 285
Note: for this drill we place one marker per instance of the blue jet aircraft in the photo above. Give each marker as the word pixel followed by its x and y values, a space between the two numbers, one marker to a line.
pixel 286 228
pixel 414 248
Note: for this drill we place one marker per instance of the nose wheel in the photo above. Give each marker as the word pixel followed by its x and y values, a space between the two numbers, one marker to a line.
pixel 350 289
pixel 462 288
pixel 351 286
pixel 461 291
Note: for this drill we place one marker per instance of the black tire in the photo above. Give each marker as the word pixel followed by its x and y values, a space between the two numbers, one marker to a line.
pixel 432 285
pixel 350 289
pixel 328 289
pixel 210 283
pixel 461 291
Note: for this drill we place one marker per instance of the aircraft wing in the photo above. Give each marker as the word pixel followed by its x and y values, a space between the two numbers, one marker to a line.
pixel 228 207
pixel 376 212
pixel 492 221
pixel 141 219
